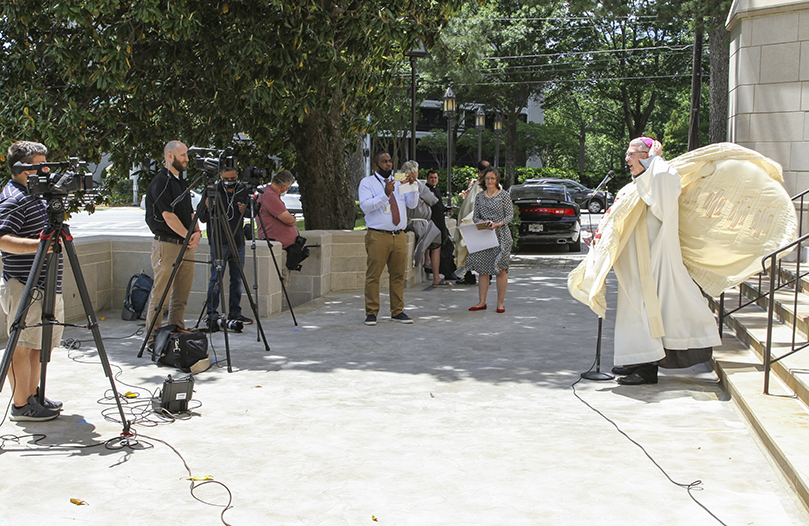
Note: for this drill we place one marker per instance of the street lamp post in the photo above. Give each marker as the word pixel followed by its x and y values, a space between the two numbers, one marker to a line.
pixel 420 50
pixel 498 128
pixel 480 125
pixel 449 113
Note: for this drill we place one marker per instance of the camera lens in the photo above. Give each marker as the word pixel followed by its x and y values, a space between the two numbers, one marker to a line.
pixel 231 325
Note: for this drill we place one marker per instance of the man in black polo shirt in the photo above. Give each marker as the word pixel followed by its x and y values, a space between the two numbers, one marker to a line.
pixel 170 224
pixel 23 218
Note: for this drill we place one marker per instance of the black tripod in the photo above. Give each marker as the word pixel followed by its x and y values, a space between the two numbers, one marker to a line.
pixel 56 234
pixel 220 226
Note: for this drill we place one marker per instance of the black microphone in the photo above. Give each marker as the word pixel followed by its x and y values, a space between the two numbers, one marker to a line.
pixel 610 175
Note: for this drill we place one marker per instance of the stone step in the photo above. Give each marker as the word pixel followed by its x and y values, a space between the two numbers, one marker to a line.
pixel 750 328
pixel 780 419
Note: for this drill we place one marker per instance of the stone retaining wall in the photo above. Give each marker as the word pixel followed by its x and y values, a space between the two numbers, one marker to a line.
pixel 337 261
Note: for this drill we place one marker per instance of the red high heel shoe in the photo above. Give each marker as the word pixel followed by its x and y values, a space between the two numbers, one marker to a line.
pixel 483 307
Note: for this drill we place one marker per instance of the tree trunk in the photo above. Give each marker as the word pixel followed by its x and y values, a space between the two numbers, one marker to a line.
pixel 323 177
pixel 356 165
pixel 719 51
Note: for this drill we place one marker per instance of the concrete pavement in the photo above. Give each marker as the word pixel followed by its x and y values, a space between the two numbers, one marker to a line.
pixel 461 418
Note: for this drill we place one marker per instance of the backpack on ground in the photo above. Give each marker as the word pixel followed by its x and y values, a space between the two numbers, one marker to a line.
pixel 136 299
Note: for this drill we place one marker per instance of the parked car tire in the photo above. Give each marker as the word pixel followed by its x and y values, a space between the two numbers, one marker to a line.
pixel 595 206
pixel 575 246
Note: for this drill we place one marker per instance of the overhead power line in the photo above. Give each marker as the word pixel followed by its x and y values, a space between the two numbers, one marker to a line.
pixel 563 81
pixel 538 19
pixel 595 52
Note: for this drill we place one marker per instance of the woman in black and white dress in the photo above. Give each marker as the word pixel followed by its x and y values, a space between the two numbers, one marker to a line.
pixel 493 204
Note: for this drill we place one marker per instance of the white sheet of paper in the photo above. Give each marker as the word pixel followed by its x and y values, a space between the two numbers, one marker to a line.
pixel 406 188
pixel 477 240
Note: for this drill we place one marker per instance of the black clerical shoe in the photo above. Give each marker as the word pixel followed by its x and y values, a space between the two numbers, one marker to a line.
pixel 636 379
pixel 623 370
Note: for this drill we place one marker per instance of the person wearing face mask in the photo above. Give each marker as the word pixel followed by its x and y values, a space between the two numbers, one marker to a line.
pixel 385 207
pixel 233 199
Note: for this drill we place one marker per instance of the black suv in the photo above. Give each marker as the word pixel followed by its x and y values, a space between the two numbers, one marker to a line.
pixel 581 195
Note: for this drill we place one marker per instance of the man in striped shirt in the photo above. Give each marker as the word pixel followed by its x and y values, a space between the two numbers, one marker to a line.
pixel 22 218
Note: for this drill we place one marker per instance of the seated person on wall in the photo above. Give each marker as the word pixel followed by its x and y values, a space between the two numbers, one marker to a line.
pixel 279 224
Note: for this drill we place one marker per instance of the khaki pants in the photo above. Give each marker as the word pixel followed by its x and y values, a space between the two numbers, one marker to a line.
pixel 164 254
pixel 10 298
pixel 385 249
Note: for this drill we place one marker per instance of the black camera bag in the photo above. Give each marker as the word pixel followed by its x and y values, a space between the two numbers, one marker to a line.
pixel 185 350
pixel 296 253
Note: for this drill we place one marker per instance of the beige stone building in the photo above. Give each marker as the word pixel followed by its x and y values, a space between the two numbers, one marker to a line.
pixel 769 83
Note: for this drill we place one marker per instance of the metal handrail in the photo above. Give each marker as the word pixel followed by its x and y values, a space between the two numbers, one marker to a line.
pixel 772 263
pixel 772 258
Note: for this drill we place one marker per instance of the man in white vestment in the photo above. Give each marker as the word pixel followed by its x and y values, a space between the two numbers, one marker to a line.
pixel 679 330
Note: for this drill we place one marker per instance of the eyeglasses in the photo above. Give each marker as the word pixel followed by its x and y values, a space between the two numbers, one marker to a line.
pixel 632 154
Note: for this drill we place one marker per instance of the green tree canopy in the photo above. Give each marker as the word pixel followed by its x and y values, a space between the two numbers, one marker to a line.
pixel 297 78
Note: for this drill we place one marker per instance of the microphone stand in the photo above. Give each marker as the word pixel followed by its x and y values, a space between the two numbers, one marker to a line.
pixel 597 374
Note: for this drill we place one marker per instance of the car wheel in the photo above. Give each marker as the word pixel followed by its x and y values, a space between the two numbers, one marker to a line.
pixel 575 246
pixel 595 206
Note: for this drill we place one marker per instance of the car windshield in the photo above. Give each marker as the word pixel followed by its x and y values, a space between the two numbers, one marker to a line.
pixel 538 192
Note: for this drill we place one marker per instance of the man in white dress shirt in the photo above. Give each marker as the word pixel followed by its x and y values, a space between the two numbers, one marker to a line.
pixel 386 241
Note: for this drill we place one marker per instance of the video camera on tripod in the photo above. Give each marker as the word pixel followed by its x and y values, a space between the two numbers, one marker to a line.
pixel 216 160
pixel 57 178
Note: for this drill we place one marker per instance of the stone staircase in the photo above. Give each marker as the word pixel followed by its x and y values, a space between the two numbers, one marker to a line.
pixel 780 418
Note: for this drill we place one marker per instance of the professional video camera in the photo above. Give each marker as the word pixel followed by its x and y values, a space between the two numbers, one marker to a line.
pixel 216 160
pixel 57 178
pixel 254 176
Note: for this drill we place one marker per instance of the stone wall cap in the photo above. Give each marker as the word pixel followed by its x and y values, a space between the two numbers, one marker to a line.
pixel 746 8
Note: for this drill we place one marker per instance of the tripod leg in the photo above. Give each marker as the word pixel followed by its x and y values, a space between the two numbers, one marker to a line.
pixel 277 269
pixel 48 308
pixel 156 313
pixel 235 259
pixel 92 323
pixel 219 221
pixel 22 311
pixel 253 248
